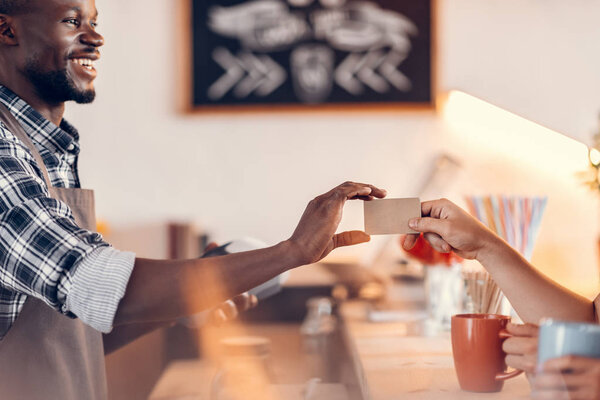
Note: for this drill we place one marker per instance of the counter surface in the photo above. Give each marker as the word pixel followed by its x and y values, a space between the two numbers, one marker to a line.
pixel 395 364
pixel 391 360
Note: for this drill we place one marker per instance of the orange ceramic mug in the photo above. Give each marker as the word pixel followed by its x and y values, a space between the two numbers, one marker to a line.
pixel 477 350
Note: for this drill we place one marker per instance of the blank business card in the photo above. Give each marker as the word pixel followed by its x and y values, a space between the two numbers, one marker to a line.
pixel 391 216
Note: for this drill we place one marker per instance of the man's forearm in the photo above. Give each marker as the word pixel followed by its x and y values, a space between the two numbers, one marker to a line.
pixel 163 290
pixel 532 294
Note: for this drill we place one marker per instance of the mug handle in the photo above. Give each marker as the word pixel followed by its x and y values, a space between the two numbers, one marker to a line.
pixel 502 376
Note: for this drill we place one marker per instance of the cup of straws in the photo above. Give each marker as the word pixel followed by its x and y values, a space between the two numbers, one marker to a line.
pixel 483 296
pixel 515 219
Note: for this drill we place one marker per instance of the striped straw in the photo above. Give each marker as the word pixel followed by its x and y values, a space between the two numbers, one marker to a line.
pixel 516 219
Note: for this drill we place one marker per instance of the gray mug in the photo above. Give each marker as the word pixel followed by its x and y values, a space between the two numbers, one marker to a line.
pixel 560 338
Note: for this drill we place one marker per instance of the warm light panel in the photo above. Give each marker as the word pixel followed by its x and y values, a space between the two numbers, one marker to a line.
pixel 504 153
pixel 494 129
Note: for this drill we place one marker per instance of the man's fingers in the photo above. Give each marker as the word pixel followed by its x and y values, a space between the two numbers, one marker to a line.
pixel 229 309
pixel 529 330
pixel 375 191
pixel 245 301
pixel 253 301
pixel 350 238
pixel 352 190
pixel 210 246
pixel 217 317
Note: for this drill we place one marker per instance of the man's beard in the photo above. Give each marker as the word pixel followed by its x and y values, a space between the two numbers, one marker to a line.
pixel 56 86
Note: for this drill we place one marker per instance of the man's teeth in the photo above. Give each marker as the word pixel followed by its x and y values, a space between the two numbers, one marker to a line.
pixel 85 62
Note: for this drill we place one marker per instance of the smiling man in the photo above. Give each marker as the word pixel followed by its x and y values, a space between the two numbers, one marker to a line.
pixel 61 285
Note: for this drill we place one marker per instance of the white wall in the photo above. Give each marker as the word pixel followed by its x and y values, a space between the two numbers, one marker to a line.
pixel 252 174
pixel 537 58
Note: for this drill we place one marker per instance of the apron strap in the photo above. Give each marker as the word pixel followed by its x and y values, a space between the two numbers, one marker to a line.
pixel 16 129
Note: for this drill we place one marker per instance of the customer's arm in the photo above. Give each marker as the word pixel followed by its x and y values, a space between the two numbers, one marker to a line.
pixel 164 290
pixel 532 294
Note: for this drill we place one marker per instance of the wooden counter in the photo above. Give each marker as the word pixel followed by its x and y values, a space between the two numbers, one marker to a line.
pixel 392 360
pixel 392 363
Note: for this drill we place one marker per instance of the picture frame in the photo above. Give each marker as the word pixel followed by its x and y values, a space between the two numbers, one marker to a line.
pixel 298 55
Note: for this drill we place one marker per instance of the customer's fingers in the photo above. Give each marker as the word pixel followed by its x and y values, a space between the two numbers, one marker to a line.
pixel 525 363
pixel 554 381
pixel 408 241
pixel 523 329
pixel 551 395
pixel 434 225
pixel 437 242
pixel 574 364
pixel 437 208
pixel 520 345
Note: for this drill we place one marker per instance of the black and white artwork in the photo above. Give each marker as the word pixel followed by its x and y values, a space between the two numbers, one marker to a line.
pixel 253 52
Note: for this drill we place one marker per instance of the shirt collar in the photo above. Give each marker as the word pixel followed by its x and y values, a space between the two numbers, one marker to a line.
pixel 56 139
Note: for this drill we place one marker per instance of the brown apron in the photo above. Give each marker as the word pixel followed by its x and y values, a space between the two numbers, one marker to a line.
pixel 46 355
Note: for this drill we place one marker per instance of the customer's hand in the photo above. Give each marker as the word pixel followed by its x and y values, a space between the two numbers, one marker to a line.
pixel 570 377
pixel 521 348
pixel 449 228
pixel 315 235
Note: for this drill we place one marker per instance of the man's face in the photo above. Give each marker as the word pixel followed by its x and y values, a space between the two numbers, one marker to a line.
pixel 59 45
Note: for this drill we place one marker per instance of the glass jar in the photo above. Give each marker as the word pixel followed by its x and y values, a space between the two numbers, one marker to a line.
pixel 245 369
pixel 444 294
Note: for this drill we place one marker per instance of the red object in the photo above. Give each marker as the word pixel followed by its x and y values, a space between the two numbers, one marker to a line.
pixel 423 252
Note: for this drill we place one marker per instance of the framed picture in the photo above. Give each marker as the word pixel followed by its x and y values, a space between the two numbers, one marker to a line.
pixel 315 53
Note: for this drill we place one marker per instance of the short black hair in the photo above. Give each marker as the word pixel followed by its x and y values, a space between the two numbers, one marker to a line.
pixel 12 6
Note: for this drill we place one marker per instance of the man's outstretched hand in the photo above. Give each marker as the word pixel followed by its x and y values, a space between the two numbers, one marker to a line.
pixel 315 235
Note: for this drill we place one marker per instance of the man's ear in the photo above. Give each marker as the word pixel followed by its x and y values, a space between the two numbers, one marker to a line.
pixel 7 31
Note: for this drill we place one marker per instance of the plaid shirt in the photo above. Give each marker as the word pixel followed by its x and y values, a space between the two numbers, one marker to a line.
pixel 43 253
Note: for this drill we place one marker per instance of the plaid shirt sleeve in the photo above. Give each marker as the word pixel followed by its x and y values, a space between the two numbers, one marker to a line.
pixel 41 247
